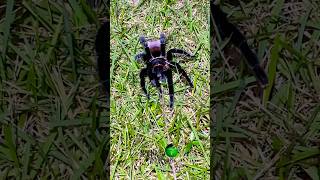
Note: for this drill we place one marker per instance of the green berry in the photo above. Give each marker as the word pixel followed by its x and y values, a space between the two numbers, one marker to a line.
pixel 171 151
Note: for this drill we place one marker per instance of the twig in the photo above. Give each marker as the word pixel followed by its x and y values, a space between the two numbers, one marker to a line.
pixel 173 168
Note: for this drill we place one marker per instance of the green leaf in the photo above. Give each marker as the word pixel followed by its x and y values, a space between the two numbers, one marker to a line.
pixel 272 68
pixel 188 147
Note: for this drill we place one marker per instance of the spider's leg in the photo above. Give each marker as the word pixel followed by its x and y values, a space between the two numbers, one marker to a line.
pixel 153 82
pixel 175 65
pixel 170 85
pixel 159 87
pixel 163 44
pixel 251 58
pixel 143 75
pixel 220 19
pixel 102 46
pixel 260 75
pixel 177 51
pixel 140 56
pixel 227 29
pixel 144 42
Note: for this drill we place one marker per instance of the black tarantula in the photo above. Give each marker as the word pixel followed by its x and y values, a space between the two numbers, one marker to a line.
pixel 160 65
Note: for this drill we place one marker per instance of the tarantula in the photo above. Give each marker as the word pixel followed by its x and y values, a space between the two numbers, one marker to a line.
pixel 102 45
pixel 160 65
pixel 226 29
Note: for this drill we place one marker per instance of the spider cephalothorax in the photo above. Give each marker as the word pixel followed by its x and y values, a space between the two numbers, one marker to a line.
pixel 160 65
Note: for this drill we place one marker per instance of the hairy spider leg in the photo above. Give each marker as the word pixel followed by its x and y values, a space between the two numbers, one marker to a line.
pixel 260 74
pixel 170 85
pixel 175 65
pixel 220 18
pixel 143 41
pixel 140 56
pixel 102 47
pixel 143 75
pixel 163 44
pixel 177 51
pixel 253 62
pixel 159 87
pixel 226 29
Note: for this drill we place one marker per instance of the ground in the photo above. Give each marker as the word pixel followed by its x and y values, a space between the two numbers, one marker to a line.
pixel 141 129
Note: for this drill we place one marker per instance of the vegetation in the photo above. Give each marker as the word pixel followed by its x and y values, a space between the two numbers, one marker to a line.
pixel 52 126
pixel 53 123
pixel 271 133
pixel 141 129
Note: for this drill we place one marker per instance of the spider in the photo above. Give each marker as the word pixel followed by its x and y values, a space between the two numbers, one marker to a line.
pixel 160 65
pixel 102 47
pixel 226 29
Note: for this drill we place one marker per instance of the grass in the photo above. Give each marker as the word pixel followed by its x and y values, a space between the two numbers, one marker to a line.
pixel 51 121
pixel 51 124
pixel 141 129
pixel 271 133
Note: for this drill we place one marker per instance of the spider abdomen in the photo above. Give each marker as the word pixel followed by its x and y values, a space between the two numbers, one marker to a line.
pixel 155 48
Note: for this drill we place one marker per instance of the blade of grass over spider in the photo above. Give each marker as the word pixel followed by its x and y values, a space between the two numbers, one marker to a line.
pixel 276 49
